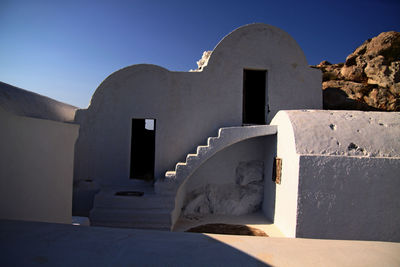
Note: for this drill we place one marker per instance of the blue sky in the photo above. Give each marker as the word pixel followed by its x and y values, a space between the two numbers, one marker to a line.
pixel 65 49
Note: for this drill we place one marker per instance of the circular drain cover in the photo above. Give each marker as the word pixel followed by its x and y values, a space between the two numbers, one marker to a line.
pixel 129 193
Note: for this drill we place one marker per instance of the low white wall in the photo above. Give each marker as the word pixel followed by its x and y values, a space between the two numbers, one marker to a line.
pixel 343 197
pixel 36 168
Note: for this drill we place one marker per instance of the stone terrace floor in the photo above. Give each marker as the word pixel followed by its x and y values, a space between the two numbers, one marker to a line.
pixel 46 244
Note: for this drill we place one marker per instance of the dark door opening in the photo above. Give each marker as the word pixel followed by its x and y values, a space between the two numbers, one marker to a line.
pixel 254 96
pixel 143 149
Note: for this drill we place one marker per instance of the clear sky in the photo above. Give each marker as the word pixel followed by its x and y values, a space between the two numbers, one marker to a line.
pixel 65 49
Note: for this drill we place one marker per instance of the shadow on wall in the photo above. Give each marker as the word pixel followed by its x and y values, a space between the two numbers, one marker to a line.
pixel 83 197
pixel 268 206
pixel 235 181
pixel 334 98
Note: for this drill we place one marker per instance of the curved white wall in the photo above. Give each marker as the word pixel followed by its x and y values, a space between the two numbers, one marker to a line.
pixel 189 106
pixel 286 193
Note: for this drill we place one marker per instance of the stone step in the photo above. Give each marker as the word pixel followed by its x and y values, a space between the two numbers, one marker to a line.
pixel 170 175
pixel 166 187
pixel 147 201
pixel 211 140
pixel 191 157
pixel 202 149
pixel 136 225
pixel 149 219
pixel 180 165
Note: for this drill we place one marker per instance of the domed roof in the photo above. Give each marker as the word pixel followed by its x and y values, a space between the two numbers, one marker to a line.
pixel 255 39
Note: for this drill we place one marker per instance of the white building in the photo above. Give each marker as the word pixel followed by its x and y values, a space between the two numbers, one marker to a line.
pixel 205 142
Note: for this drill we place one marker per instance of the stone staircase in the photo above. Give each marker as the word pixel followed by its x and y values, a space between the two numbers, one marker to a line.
pixel 157 208
pixel 226 137
pixel 149 211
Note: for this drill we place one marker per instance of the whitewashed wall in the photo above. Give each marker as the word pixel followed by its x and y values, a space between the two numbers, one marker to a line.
pixel 286 193
pixel 220 170
pixel 189 106
pixel 349 198
pixel 343 168
pixel 36 168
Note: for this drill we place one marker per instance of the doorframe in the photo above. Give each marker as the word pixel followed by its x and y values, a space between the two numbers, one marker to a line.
pixel 266 99
pixel 131 177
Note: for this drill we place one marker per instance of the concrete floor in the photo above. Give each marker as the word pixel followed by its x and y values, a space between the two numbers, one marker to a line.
pixel 33 243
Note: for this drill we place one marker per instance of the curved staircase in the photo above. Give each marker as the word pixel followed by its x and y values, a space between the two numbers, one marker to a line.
pixel 226 137
pixel 157 208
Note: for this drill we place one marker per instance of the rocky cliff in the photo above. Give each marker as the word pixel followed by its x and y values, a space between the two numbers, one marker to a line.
pixel 368 80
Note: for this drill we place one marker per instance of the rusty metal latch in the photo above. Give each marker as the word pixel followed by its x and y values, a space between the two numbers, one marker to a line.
pixel 277 170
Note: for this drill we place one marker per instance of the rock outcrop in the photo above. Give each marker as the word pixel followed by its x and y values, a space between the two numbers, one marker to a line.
pixel 368 80
pixel 202 63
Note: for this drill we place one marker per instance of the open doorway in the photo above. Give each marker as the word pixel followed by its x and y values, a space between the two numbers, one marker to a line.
pixel 143 149
pixel 254 96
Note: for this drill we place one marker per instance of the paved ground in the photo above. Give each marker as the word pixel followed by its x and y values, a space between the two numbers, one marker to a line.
pixel 31 244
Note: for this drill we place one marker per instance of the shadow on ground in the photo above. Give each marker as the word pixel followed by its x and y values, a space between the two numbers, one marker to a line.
pixel 33 243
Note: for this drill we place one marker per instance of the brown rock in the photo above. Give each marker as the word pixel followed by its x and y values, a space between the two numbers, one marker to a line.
pixel 353 90
pixel 324 63
pixel 368 80
pixel 386 44
pixel 330 71
pixel 381 74
pixel 335 98
pixel 353 73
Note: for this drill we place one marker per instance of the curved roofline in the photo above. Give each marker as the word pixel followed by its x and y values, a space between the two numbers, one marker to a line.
pixel 255 25
pixel 250 25
pixel 220 45
pixel 121 72
pixel 131 67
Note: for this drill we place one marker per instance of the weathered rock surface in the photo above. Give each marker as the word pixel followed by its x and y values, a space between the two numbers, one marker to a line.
pixel 368 80
pixel 202 63
pixel 242 197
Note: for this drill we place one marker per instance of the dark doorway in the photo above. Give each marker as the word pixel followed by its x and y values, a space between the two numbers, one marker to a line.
pixel 254 96
pixel 143 149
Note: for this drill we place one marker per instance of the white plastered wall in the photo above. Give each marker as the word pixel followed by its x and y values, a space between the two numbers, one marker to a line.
pixel 189 106
pixel 36 167
pixel 349 197
pixel 221 168
pixel 339 174
pixel 287 192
